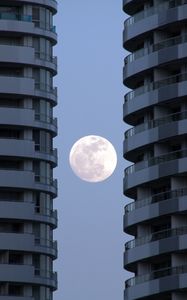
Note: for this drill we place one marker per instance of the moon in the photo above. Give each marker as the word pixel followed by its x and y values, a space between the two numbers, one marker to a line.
pixel 93 158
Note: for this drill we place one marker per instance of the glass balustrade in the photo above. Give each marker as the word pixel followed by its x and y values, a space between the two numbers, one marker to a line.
pixel 156 274
pixel 155 161
pixel 156 123
pixel 156 198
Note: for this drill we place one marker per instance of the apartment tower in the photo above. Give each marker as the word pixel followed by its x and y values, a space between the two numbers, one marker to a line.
pixel 27 157
pixel 155 34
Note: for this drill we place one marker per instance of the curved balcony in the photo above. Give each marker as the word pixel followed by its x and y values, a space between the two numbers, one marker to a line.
pixel 163 95
pixel 164 234
pixel 10 16
pixel 162 129
pixel 151 19
pixel 157 282
pixel 46 278
pixel 138 69
pixel 44 60
pixel 153 10
pixel 46 122
pixel 27 118
pixel 27 274
pixel 26 241
pixel 46 246
pixel 156 123
pixel 22 54
pixel 157 167
pixel 155 199
pixel 24 24
pixel 149 209
pixel 46 91
pixel 46 216
pixel 26 179
pixel 167 43
pixel 152 246
pixel 156 85
pixel 155 161
pixel 12 147
pixel 27 211
pixel 50 155
pixel 47 184
pixel 26 86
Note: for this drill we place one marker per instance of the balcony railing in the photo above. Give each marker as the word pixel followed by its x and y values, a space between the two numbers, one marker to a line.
pixel 44 25
pixel 37 271
pixel 155 237
pixel 46 180
pixel 45 274
pixel 156 123
pixel 38 54
pixel 156 85
pixel 41 149
pixel 153 10
pixel 45 88
pixel 156 275
pixel 156 47
pixel 45 56
pixel 46 119
pixel 46 212
pixel 155 199
pixel 27 18
pixel 156 161
pixel 46 243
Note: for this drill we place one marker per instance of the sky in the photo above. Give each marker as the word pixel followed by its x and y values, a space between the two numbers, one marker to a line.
pixel 90 101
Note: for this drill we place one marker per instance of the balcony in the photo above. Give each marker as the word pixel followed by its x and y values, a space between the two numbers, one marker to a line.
pixel 46 246
pixel 46 57
pixel 164 234
pixel 156 161
pixel 45 276
pixel 46 215
pixel 153 10
pixel 44 25
pixel 156 123
pixel 181 39
pixel 46 119
pixel 155 199
pixel 156 275
pixel 26 273
pixel 45 88
pixel 156 85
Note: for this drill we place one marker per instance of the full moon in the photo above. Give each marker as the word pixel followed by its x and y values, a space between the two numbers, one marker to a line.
pixel 93 158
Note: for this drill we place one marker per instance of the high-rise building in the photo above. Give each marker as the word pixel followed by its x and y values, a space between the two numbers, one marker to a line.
pixel 27 157
pixel 156 145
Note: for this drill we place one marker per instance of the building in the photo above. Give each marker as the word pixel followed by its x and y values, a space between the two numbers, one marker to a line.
pixel 27 157
pixel 156 145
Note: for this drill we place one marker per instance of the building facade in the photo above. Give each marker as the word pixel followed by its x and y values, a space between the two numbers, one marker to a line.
pixel 27 157
pixel 156 146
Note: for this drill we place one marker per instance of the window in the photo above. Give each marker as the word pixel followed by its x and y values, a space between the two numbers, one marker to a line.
pixel 6 133
pixel 15 290
pixel 10 196
pixel 10 165
pixel 15 258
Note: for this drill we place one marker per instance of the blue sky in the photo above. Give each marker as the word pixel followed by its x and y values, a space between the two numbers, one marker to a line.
pixel 90 233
